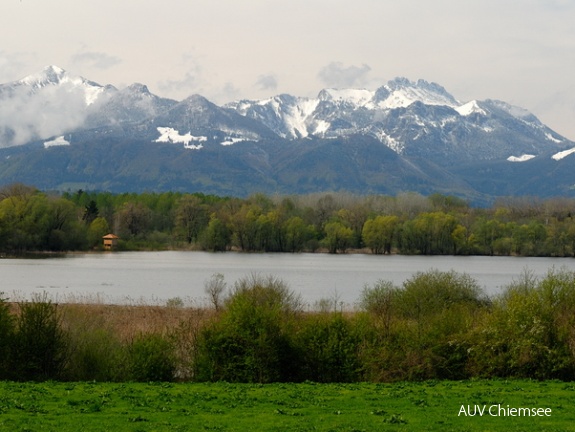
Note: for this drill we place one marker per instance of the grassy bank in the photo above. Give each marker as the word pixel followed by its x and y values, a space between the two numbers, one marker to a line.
pixel 426 406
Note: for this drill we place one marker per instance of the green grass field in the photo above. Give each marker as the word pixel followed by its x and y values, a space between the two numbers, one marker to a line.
pixel 427 406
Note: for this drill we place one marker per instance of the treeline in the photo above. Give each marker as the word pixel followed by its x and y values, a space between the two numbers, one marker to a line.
pixel 437 325
pixel 408 223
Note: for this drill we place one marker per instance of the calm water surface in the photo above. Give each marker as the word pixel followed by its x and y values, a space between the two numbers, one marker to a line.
pixel 154 277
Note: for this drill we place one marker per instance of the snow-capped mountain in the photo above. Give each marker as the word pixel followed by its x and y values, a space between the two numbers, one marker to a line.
pixel 51 102
pixel 132 104
pixel 340 111
pixel 52 77
pixel 412 118
pixel 61 131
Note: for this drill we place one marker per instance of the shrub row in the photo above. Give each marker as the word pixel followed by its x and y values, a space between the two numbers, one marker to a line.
pixel 437 325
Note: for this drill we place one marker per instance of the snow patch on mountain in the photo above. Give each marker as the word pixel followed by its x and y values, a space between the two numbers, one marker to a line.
pixel 563 154
pixel 170 135
pixel 231 141
pixel 522 158
pixel 59 141
pixel 286 115
pixel 402 92
pixel 389 141
pixel 470 108
pixel 552 138
pixel 358 97
pixel 321 127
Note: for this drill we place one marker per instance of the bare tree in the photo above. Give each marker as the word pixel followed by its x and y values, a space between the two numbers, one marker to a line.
pixel 215 288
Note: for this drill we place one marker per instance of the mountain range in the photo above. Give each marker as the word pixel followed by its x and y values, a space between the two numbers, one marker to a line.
pixel 64 132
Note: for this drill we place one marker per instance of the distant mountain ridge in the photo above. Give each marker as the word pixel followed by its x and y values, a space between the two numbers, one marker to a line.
pixel 403 136
pixel 438 124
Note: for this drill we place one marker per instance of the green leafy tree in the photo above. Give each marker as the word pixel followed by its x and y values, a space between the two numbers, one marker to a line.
pixel 297 233
pixel 244 227
pixel 98 229
pixel 192 217
pixel 134 218
pixel 338 237
pixel 216 237
pixel 271 233
pixel 26 220
pixel 379 233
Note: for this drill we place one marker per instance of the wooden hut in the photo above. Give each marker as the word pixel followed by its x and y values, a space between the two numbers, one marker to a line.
pixel 110 241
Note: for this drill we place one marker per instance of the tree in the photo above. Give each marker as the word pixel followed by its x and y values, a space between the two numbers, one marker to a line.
pixel 430 234
pixel 378 234
pixel 26 222
pixel 271 236
pixel 134 218
pixel 245 228
pixel 90 212
pixel 297 233
pixel 191 217
pixel 63 229
pixel 98 228
pixel 215 288
pixel 338 237
pixel 216 236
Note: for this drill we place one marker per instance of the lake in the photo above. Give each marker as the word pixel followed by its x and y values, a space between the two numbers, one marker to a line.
pixel 154 277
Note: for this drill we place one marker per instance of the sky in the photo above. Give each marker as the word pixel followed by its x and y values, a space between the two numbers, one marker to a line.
pixel 518 51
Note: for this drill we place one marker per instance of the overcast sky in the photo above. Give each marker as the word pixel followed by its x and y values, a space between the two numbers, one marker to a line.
pixel 519 51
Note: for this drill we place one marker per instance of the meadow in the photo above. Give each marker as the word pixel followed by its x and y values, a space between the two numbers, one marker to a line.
pixel 404 406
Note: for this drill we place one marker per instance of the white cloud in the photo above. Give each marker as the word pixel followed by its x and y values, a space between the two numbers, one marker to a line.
pixel 49 111
pixel 229 92
pixel 98 60
pixel 336 74
pixel 267 82
pixel 190 82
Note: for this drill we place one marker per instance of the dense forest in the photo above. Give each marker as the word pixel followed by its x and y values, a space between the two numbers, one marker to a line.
pixel 409 223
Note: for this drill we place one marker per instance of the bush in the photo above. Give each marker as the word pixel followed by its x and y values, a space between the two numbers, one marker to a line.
pixel 429 293
pixel 151 358
pixel 6 337
pixel 378 301
pixel 95 351
pixel 249 342
pixel 329 349
pixel 40 345
pixel 422 327
pixel 531 330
